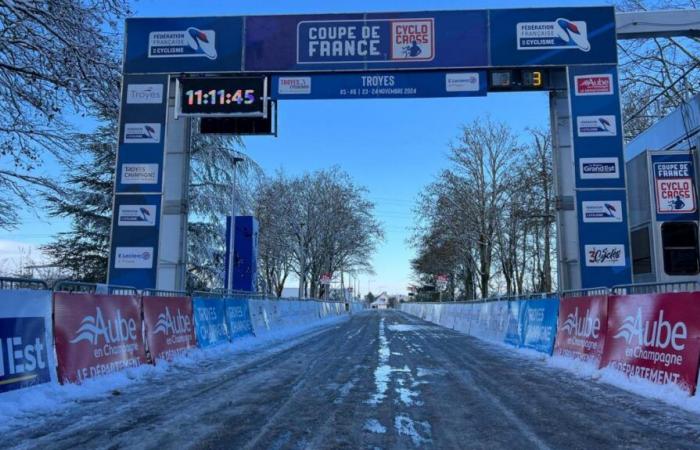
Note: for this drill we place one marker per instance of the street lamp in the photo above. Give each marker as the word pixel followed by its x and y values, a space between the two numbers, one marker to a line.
pixel 232 231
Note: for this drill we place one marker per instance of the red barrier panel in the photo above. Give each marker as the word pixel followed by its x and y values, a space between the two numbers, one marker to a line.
pixel 655 336
pixel 96 334
pixel 169 326
pixel 581 328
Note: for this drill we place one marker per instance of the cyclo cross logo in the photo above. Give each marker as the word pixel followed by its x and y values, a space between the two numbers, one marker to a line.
pixel 116 334
pixel 177 325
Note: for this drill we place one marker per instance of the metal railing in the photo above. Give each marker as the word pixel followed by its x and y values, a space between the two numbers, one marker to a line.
pixel 163 293
pixel 584 292
pixel 656 288
pixel 79 287
pixel 22 283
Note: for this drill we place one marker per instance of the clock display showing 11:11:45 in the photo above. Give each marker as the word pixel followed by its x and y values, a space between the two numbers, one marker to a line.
pixel 221 97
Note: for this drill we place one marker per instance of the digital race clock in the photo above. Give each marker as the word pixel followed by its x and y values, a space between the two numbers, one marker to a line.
pixel 218 96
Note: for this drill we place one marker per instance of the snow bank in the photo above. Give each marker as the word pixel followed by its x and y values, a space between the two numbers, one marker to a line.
pixel 19 406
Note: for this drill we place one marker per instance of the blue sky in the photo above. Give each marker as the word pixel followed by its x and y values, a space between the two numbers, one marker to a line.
pixel 393 147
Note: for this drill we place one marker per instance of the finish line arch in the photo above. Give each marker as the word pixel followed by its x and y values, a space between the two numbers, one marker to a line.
pixel 571 52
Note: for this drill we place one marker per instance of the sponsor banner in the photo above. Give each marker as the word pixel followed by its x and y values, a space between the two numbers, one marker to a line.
pixel 514 326
pixel 238 318
pixel 603 237
pixel 169 326
pixel 139 174
pixel 596 126
pixel 142 133
pixel 133 258
pixel 602 211
pixel 552 36
pixel 674 186
pixel 176 45
pixel 605 255
pixel 539 324
pixel 599 168
pixel 210 321
pixel 593 84
pixel 137 215
pixel 380 85
pixel 581 328
pixel 26 342
pixel 96 335
pixel 655 337
pixel 139 94
pixel 360 41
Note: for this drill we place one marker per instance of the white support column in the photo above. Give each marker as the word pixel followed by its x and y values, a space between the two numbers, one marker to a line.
pixel 569 273
pixel 172 258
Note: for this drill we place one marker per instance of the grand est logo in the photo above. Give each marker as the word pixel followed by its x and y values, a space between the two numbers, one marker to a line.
pixel 177 328
pixel 657 341
pixel 108 337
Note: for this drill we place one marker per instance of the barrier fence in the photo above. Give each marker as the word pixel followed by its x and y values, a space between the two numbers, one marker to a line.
pixel 649 331
pixel 96 329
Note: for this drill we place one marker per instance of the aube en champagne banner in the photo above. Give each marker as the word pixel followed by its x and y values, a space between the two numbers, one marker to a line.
pixel 97 334
pixel 582 328
pixel 26 343
pixel 169 326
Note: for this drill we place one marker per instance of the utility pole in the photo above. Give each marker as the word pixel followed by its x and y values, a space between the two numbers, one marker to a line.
pixel 232 231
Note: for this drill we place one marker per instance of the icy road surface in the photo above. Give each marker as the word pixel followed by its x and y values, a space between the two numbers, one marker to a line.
pixel 379 380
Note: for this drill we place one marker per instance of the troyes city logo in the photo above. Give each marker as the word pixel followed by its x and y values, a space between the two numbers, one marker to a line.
pixel 144 93
pixel 191 42
pixel 560 34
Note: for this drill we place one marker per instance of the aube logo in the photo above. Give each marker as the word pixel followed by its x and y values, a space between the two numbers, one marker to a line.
pixel 582 326
pixel 117 331
pixel 658 333
pixel 191 42
pixel 560 34
pixel 169 324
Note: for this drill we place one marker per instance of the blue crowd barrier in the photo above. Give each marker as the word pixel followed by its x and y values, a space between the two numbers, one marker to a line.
pixel 210 321
pixel 238 318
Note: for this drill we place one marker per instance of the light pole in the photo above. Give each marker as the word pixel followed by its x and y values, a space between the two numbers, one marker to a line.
pixel 232 231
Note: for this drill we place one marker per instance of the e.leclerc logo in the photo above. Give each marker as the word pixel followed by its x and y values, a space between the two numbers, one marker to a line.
pixel 134 258
pixel 191 42
pixel 560 34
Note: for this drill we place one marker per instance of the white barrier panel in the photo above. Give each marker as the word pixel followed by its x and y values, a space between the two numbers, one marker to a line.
pixel 26 339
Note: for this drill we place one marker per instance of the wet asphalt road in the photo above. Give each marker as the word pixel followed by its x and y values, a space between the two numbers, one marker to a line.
pixel 379 380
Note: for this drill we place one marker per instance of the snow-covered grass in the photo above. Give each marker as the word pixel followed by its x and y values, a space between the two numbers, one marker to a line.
pixel 24 404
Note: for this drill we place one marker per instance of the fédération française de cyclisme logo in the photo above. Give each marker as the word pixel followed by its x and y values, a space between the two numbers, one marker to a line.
pixel 560 34
pixel 191 42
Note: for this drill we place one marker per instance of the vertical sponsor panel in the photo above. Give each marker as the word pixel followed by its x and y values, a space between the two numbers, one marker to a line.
pixel 238 318
pixel 601 197
pixel 138 182
pixel 674 187
pixel 539 324
pixel 581 328
pixel 210 321
pixel 26 342
pixel 552 36
pixel 326 42
pixel 169 326
pixel 96 335
pixel 655 337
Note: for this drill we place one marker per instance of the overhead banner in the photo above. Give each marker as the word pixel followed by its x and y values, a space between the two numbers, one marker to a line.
pixel 539 324
pixel 326 42
pixel 169 326
pixel 96 335
pixel 26 341
pixel 552 36
pixel 175 45
pixel 210 321
pixel 379 85
pixel 582 327
pixel 655 337
pixel 674 186
pixel 238 318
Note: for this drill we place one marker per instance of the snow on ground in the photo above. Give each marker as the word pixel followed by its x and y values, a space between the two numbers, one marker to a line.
pixel 373 426
pixel 26 404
